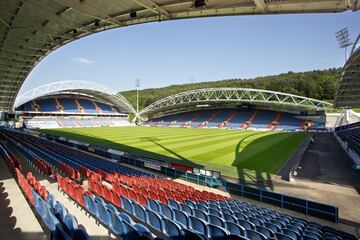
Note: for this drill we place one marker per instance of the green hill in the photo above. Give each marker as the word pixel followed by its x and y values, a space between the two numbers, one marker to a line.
pixel 318 84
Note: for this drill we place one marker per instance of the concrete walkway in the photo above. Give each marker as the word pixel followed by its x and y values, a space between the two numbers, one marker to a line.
pixel 17 220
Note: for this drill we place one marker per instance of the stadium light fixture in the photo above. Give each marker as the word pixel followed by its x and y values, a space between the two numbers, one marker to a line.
pixel 343 38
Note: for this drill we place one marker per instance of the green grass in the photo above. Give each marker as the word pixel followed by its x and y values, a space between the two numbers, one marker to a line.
pixel 246 155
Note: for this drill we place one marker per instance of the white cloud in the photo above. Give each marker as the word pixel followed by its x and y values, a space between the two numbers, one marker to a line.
pixel 82 60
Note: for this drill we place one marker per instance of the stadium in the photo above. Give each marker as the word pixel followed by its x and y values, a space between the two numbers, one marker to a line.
pixel 80 161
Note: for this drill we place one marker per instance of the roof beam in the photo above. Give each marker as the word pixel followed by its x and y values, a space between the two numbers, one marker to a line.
pixel 262 5
pixel 153 7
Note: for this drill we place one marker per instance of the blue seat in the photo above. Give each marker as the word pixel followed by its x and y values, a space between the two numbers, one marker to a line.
pixel 111 208
pixel 202 207
pixel 216 233
pixel 240 215
pixel 153 219
pixel 126 218
pixel 227 211
pixel 255 221
pixel 246 224
pixel 282 236
pixel 200 214
pixel 213 206
pixel 60 211
pixel 49 220
pixel 99 200
pixel 143 231
pixel 274 228
pixel 216 220
pixel 139 212
pixel 190 203
pixel 307 237
pixel 90 205
pixel 50 199
pixel 59 233
pixel 197 225
pixel 171 229
pixel 126 204
pixel 80 234
pixel 129 232
pixel 174 204
pixel 116 224
pixel 166 211
pixel 153 205
pixel 103 214
pixel 215 212
pixel 229 218
pixel 181 218
pixel 70 223
pixel 254 235
pixel 235 228
pixel 187 209
pixel 190 234
pixel 291 233
pixel 268 233
pixel 237 237
pixel 41 207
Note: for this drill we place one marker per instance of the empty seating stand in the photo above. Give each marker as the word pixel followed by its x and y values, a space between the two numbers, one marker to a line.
pixel 140 205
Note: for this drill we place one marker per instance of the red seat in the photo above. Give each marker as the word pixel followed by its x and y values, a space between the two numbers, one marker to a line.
pixel 141 199
pixel 163 199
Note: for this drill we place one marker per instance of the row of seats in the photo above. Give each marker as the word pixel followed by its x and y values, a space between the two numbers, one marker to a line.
pixel 68 104
pixel 233 118
pixel 10 159
pixel 161 189
pixel 207 218
pixel 351 135
pixel 56 218
pixel 54 153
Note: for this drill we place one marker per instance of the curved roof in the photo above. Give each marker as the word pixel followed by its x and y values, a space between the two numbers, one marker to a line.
pixel 233 95
pixel 83 87
pixel 348 89
pixel 30 30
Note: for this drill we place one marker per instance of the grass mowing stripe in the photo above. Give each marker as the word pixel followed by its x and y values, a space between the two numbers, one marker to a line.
pixel 216 149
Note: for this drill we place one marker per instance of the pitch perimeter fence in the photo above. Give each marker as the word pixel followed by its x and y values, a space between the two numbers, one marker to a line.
pixel 307 207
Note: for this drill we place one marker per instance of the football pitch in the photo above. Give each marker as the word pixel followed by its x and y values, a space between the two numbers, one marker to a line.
pixel 247 155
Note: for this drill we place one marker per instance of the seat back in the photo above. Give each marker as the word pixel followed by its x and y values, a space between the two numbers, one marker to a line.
pixel 197 225
pixel 254 235
pixel 181 218
pixel 70 222
pixel 235 228
pixel 153 219
pixel 217 233
pixel 126 204
pixel 171 229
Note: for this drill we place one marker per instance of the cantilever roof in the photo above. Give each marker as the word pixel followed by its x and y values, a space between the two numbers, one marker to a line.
pixel 31 29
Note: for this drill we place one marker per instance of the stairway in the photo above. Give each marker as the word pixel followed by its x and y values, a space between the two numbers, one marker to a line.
pixel 228 119
pixel 59 107
pixel 98 109
pixel 81 109
pixel 211 117
pixel 275 121
pixel 192 119
pixel 248 122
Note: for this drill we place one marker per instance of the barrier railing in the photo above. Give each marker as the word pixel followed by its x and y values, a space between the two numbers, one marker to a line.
pixel 307 207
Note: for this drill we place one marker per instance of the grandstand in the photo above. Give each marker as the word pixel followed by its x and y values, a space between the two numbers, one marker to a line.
pixel 72 104
pixel 56 187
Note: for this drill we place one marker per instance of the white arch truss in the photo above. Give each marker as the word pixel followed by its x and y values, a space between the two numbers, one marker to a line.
pixel 74 86
pixel 259 96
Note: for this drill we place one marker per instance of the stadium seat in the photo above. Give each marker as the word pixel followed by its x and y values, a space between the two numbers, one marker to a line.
pixel 235 229
pixel 139 212
pixel 126 204
pixel 166 211
pixel 116 224
pixel 268 233
pixel 60 211
pixel 197 225
pixel 216 233
pixel 181 218
pixel 70 222
pixel 254 235
pixel 216 220
pixel 171 229
pixel 189 234
pixel 103 214
pixel 80 234
pixel 153 219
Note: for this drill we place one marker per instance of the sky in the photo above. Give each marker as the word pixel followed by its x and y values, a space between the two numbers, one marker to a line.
pixel 195 50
